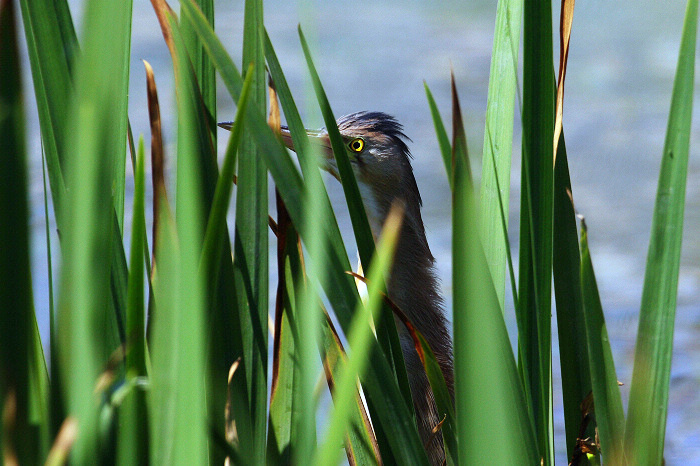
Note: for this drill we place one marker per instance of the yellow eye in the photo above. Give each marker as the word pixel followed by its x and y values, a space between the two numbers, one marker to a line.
pixel 357 144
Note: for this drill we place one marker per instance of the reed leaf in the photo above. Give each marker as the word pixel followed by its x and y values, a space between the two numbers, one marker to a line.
pixel 443 140
pixel 361 444
pixel 250 242
pixel 87 332
pixel 381 389
pixel 498 139
pixel 487 386
pixel 133 415
pixel 23 376
pixel 606 392
pixel 571 326
pixel 179 432
pixel 45 22
pixel 536 207
pixel 648 403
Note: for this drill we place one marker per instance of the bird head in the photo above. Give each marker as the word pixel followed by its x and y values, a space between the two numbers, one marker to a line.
pixel 379 156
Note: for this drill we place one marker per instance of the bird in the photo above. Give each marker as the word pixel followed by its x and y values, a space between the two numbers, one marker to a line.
pixel 381 161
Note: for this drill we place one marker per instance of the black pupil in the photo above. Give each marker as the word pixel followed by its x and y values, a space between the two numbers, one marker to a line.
pixel 356 145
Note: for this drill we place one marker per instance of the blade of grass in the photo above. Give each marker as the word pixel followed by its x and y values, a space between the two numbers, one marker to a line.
pixel 389 408
pixel 179 433
pixel 648 403
pixel 133 416
pixel 316 212
pixel 443 140
pixel 250 242
pixel 53 85
pixel 285 369
pixel 19 364
pixel 606 392
pixel 118 145
pixel 203 68
pixel 566 18
pixel 487 385
pixel 571 326
pixel 84 298
pixel 216 222
pixel 361 446
pixel 164 342
pixel 498 139
pixel 536 218
pixel 193 142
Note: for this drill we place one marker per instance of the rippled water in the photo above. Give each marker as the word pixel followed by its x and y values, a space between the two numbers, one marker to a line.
pixel 375 55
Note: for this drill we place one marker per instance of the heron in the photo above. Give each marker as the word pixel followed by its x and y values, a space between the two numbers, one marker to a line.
pixel 381 161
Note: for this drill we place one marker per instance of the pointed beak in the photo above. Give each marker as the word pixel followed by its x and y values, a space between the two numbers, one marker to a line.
pixel 318 138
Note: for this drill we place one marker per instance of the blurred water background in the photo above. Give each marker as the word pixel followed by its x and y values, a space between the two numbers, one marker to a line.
pixel 375 55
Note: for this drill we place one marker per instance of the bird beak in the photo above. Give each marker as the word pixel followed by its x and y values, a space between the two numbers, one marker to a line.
pixel 318 138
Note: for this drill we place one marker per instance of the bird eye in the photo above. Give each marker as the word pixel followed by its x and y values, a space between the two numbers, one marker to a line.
pixel 357 144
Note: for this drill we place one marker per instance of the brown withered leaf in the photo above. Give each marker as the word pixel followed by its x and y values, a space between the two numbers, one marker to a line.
pixel 565 21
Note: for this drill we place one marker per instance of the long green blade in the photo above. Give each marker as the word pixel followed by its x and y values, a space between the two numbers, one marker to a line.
pixel 606 392
pixel 86 327
pixel 179 433
pixel 441 133
pixel 498 138
pixel 133 416
pixel 19 363
pixel 536 209
pixel 44 21
pixel 648 404
pixel 250 243
pixel 487 386
pixel 360 446
pixel 566 266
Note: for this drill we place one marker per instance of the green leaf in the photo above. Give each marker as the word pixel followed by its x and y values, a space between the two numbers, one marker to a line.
pixel 133 416
pixel 606 392
pixel 566 266
pixel 536 210
pixel 202 66
pixel 443 140
pixel 487 386
pixel 498 139
pixel 179 434
pixel 648 403
pixel 87 330
pixel 250 243
pixel 24 378
pixel 361 444
pixel 45 21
